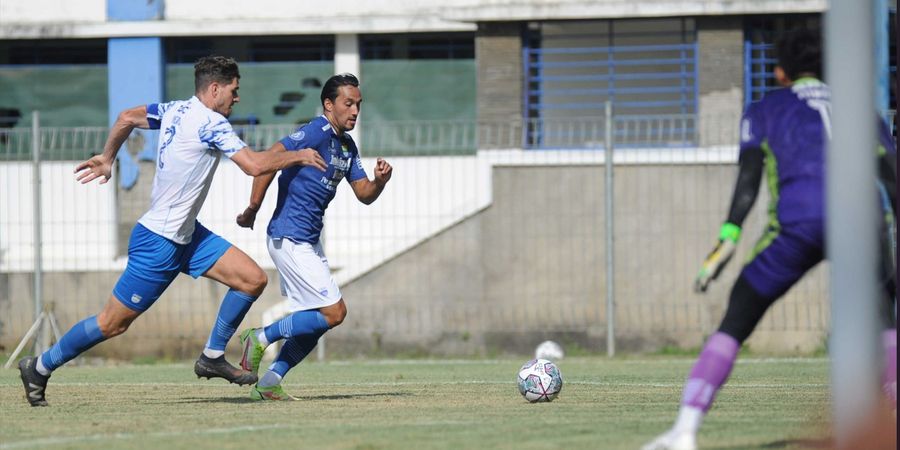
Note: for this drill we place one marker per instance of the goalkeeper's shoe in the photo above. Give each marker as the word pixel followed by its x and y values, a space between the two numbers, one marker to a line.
pixel 673 440
pixel 253 350
pixel 35 383
pixel 220 368
pixel 714 263
pixel 270 393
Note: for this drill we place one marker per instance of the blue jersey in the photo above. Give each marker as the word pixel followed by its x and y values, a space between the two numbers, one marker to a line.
pixel 305 192
pixel 791 126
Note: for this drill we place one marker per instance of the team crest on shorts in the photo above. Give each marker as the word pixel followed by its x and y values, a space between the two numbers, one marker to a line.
pixel 136 298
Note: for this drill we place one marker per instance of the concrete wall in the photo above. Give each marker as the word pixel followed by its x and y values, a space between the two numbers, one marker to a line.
pixel 720 41
pixel 498 54
pixel 531 267
pixel 87 18
pixel 527 267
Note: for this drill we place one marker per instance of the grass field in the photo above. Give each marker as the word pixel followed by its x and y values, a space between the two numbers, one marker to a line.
pixel 415 404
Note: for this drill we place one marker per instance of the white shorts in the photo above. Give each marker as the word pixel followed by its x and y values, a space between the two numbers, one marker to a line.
pixel 305 276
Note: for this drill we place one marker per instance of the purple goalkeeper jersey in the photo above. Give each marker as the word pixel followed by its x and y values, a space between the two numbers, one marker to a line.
pixel 791 126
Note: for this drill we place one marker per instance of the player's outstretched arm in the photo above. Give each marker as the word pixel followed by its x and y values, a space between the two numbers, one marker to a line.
pixel 367 191
pixel 260 163
pixel 261 184
pixel 745 191
pixel 100 166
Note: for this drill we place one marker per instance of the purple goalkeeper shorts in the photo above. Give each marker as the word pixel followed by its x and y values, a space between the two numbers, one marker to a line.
pixel 782 256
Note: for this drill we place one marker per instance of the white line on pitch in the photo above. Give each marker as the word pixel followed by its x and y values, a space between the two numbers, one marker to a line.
pixel 453 383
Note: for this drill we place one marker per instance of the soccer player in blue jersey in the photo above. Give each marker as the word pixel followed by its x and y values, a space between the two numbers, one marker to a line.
pixel 168 239
pixel 295 229
pixel 785 133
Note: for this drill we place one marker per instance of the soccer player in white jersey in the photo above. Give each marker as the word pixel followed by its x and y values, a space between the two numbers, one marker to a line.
pixel 293 233
pixel 168 239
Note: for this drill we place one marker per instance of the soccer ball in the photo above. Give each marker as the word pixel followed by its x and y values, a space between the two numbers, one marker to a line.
pixel 540 381
pixel 549 350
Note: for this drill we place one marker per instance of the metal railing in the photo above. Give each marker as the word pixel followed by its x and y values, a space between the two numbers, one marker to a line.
pixel 480 233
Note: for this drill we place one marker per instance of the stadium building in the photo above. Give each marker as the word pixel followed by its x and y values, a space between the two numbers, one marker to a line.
pixel 468 99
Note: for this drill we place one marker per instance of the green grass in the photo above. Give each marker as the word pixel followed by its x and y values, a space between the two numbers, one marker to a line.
pixel 415 404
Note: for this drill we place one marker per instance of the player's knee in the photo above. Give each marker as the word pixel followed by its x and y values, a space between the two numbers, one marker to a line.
pixel 112 326
pixel 745 309
pixel 256 282
pixel 335 315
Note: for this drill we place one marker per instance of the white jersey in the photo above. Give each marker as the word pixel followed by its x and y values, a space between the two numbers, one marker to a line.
pixel 191 139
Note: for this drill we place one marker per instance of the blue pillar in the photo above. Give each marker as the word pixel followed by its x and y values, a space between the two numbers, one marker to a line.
pixel 882 57
pixel 136 68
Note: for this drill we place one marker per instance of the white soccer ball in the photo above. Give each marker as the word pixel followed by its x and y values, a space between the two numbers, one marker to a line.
pixel 540 381
pixel 549 350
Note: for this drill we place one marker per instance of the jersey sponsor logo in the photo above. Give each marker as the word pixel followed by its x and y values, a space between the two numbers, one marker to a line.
pixel 298 136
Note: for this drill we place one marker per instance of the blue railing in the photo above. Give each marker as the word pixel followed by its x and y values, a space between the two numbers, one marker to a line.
pixel 758 77
pixel 639 80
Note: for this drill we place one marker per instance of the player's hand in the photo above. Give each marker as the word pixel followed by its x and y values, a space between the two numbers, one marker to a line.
pixel 247 218
pixel 96 167
pixel 311 158
pixel 383 171
pixel 714 263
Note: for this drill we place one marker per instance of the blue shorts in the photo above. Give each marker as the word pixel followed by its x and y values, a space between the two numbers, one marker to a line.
pixel 154 261
pixel 783 255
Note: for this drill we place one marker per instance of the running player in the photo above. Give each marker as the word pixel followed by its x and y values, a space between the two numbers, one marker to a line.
pixel 295 229
pixel 168 239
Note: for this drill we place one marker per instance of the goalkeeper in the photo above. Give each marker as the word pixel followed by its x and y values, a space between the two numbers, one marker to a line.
pixel 784 134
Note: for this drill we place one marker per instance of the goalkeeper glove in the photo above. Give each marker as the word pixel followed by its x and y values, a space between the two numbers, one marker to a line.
pixel 718 257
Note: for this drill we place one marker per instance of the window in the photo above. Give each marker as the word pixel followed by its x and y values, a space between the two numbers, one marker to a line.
pixel 646 68
pixel 759 50
pixel 68 51
pixel 252 49
pixel 418 46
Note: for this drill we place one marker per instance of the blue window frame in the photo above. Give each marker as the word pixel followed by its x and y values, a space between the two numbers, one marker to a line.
pixel 647 69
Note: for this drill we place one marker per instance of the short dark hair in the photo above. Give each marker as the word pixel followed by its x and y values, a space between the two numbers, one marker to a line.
pixel 330 90
pixel 800 52
pixel 218 69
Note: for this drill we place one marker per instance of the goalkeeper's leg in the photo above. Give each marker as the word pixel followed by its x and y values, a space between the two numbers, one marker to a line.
pixel 745 309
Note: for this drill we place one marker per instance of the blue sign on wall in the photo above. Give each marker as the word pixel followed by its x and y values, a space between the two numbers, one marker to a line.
pixel 125 10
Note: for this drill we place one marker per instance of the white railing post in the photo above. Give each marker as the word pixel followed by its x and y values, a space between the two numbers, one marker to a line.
pixel 610 241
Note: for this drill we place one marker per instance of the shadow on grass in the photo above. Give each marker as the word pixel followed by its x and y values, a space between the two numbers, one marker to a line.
pixel 349 396
pixel 246 399
pixel 787 443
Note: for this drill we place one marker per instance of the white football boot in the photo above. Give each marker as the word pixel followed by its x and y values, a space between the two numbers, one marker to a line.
pixel 673 440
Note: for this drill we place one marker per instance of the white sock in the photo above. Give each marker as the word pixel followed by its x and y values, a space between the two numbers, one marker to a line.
pixel 269 379
pixel 39 366
pixel 689 419
pixel 261 337
pixel 213 354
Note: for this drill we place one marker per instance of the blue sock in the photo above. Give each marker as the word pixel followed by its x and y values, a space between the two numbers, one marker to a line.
pixel 234 307
pixel 77 340
pixel 293 351
pixel 299 323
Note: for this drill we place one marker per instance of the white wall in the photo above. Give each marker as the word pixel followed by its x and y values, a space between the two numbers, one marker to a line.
pixel 425 196
pixel 79 230
pixel 68 11
pixel 22 19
